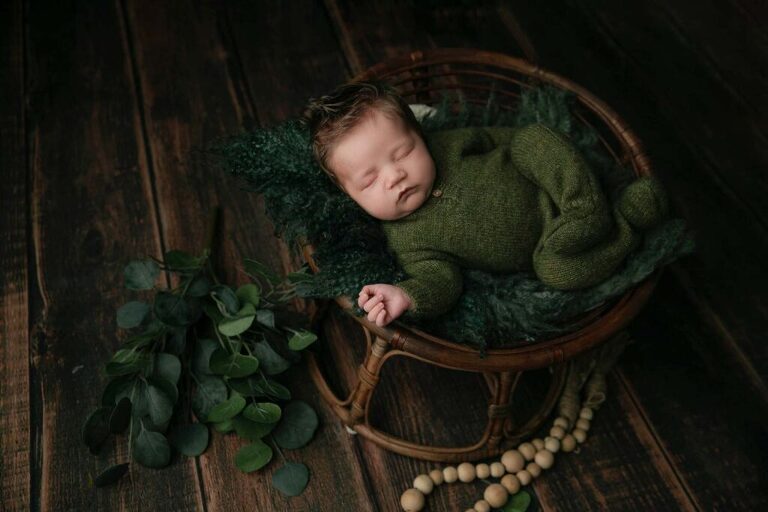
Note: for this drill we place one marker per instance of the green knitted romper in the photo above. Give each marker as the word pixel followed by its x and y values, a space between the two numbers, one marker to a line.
pixel 509 199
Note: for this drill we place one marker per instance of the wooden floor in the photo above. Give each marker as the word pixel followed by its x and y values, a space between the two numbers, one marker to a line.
pixel 102 103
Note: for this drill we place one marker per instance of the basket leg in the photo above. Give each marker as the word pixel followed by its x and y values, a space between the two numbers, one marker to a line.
pixel 368 374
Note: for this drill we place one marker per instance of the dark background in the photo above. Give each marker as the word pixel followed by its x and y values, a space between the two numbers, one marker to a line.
pixel 102 105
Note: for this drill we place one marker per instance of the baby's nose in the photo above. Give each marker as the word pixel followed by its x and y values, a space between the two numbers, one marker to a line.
pixel 395 176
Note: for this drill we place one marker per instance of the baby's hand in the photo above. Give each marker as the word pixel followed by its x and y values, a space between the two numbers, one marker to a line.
pixel 383 302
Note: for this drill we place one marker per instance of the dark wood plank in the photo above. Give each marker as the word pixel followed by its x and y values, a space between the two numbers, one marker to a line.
pixel 193 91
pixel 690 355
pixel 14 293
pixel 91 210
pixel 652 479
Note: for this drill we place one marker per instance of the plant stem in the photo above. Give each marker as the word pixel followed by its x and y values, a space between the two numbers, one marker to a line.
pixel 274 443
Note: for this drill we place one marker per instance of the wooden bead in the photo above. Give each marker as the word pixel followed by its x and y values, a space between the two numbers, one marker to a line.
pixel 466 471
pixel 424 484
pixel 557 432
pixel 437 476
pixel 579 435
pixel 498 470
pixel 544 459
pixel 552 444
pixel 583 424
pixel 496 495
pixel 470 510
pixel 450 474
pixel 482 470
pixel 510 483
pixel 562 422
pixel 538 444
pixel 482 506
pixel 412 500
pixel 568 444
pixel 586 413
pixel 513 461
pixel 534 469
pixel 527 450
pixel 524 477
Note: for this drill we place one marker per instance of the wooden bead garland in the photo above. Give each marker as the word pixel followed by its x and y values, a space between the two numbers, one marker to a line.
pixel 517 468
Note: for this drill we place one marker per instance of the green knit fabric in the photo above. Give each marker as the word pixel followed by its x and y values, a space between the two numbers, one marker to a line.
pixel 511 200
pixel 494 309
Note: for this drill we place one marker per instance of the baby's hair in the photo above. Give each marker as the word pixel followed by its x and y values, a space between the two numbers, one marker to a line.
pixel 330 117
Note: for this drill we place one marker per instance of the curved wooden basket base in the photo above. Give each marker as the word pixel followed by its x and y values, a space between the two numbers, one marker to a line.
pixel 503 430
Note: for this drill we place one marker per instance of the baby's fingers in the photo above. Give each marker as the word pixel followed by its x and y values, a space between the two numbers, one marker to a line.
pixel 373 313
pixel 381 318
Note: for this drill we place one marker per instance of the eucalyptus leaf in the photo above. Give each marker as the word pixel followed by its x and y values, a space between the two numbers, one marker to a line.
pixel 247 386
pixel 301 339
pixel 191 440
pixel 176 341
pixel 225 296
pixel 121 416
pixel 201 359
pixel 227 409
pixel 132 314
pixel 167 387
pixel 200 287
pixel 233 365
pixel 151 449
pixel 253 456
pixel 251 430
pixel 181 261
pixel 518 502
pixel 265 317
pixel 224 426
pixel 209 392
pixel 171 309
pixel 111 475
pixel 159 404
pixel 263 412
pixel 194 309
pixel 249 293
pixel 297 426
pixel 291 479
pixel 152 332
pixel 114 387
pixel 95 429
pixel 141 275
pixel 257 269
pixel 239 323
pixel 212 311
pixel 275 389
pixel 167 366
pixel 270 361
pixel 126 361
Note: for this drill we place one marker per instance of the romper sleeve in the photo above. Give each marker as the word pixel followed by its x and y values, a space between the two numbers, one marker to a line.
pixel 434 284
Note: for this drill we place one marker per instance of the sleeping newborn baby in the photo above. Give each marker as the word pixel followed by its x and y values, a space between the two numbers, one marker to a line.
pixel 496 199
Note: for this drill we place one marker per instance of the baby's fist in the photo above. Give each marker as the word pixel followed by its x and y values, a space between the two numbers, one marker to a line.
pixel 383 302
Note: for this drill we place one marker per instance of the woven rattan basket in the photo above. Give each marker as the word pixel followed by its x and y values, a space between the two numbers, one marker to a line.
pixel 422 77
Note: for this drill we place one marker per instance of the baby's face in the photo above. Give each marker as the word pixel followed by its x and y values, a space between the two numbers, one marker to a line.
pixel 383 166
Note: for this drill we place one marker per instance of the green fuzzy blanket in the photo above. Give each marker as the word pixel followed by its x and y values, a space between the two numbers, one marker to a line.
pixel 351 251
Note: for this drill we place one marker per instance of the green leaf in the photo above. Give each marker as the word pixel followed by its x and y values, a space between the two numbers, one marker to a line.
pixel 297 426
pixel 275 389
pixel 299 277
pixel 168 367
pixel 191 440
pixel 121 416
pixel 249 293
pixel 151 449
pixel 180 260
pixel 518 502
pixel 153 332
pixel 138 397
pixel 210 391
pixel 201 361
pixel 167 387
pixel 263 412
pixel 224 295
pixel 212 310
pixel 227 409
pixel 95 429
pixel 224 426
pixel 200 287
pixel 126 361
pixel 115 386
pixel 270 361
pixel 248 386
pixel 111 475
pixel 291 479
pixel 251 430
pixel 265 317
pixel 172 309
pixel 257 269
pixel 239 323
pixel 176 342
pixel 131 315
pixel 233 365
pixel 141 275
pixel 253 456
pixel 159 404
pixel 301 339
